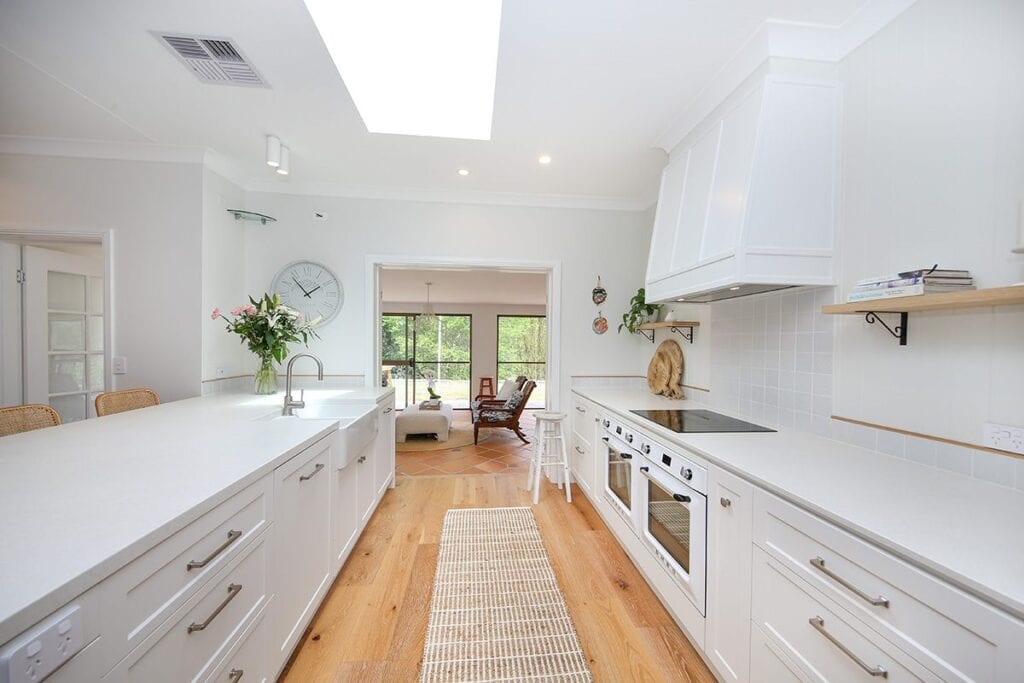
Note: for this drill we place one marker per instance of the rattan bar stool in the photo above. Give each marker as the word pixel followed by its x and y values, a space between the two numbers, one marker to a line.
pixel 26 418
pixel 127 399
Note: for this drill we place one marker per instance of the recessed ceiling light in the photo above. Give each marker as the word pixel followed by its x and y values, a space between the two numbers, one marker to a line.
pixel 680 300
pixel 733 289
pixel 414 67
pixel 544 159
pixel 463 171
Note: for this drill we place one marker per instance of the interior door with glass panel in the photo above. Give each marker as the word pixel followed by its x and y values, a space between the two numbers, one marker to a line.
pixel 64 331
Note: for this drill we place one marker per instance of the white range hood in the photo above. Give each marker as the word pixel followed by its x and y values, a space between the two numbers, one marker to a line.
pixel 748 199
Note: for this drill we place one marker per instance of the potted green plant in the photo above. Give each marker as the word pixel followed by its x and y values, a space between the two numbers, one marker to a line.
pixel 639 312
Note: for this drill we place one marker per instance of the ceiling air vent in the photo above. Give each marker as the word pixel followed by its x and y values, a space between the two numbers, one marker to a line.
pixel 213 60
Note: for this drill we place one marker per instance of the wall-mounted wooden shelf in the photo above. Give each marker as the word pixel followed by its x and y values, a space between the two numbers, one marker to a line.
pixel 904 305
pixel 676 326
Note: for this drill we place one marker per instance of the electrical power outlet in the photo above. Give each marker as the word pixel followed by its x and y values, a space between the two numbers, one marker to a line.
pixel 119 365
pixel 1004 437
pixel 221 372
pixel 41 651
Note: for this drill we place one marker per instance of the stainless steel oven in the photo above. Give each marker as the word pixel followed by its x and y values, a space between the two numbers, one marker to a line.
pixel 619 463
pixel 673 518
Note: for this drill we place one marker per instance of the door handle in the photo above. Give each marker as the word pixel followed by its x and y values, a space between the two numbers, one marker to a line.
pixel 579 450
pixel 233 536
pixel 819 564
pixel 819 624
pixel 680 498
pixel 233 591
pixel 725 502
pixel 316 470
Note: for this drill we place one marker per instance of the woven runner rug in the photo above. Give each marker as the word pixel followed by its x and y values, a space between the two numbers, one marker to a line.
pixel 497 613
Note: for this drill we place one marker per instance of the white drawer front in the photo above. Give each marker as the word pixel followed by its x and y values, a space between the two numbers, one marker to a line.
pixel 152 587
pixel 833 648
pixel 583 415
pixel 580 460
pixel 190 644
pixel 246 662
pixel 768 664
pixel 953 633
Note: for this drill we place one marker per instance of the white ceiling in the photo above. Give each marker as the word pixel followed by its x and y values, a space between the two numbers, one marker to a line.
pixel 590 82
pixel 463 286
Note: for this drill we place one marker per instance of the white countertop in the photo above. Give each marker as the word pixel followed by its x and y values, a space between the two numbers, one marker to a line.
pixel 968 531
pixel 78 502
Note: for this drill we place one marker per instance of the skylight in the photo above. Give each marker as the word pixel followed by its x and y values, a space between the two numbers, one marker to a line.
pixel 414 67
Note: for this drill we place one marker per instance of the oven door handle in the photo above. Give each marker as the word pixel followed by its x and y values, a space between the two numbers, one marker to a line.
pixel 678 497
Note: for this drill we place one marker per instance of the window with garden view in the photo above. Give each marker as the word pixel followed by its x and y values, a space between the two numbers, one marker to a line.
pixel 428 353
pixel 523 350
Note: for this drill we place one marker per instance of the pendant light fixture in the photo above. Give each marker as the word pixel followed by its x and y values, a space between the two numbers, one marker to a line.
pixel 273 151
pixel 428 318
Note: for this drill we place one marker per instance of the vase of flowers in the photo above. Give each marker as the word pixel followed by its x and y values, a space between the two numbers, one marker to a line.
pixel 267 327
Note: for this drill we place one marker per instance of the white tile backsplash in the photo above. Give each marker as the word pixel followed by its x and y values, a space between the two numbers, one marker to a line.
pixel 772 361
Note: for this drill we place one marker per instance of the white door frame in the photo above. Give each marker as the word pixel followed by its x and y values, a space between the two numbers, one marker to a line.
pixel 553 270
pixel 106 240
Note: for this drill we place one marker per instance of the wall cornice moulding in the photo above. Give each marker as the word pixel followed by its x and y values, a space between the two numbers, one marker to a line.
pixel 413 194
pixel 782 40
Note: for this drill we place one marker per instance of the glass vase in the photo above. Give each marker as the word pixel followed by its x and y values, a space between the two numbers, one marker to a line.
pixel 266 377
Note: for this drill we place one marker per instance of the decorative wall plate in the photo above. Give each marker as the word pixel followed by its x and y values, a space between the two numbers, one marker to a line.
pixel 600 294
pixel 600 324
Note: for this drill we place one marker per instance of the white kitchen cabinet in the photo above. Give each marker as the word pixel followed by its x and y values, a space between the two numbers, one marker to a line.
pixel 345 515
pixel 727 633
pixel 767 662
pixel 583 448
pixel 366 483
pixel 246 662
pixel 301 545
pixel 384 457
pixel 748 198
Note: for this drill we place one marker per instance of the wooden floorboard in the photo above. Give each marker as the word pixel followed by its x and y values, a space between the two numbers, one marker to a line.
pixel 373 622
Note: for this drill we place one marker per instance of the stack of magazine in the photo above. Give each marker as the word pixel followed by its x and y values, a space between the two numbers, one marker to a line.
pixel 912 283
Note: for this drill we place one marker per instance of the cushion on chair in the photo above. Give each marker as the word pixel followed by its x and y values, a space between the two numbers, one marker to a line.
pixel 514 400
pixel 506 390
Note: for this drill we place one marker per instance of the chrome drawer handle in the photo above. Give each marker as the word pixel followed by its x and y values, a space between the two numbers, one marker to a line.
pixel 235 675
pixel 819 564
pixel 582 410
pixel 725 502
pixel 307 477
pixel 388 411
pixel 819 624
pixel 199 564
pixel 579 450
pixel 233 590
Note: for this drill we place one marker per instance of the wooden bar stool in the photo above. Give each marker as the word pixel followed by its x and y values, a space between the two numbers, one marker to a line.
pixel 486 386
pixel 549 451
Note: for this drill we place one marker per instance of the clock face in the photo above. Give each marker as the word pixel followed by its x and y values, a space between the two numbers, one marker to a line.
pixel 310 288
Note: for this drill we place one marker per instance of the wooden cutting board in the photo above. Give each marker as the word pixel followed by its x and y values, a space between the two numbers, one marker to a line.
pixel 665 373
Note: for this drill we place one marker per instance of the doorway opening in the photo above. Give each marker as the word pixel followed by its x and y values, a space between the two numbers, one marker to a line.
pixel 483 333
pixel 54 322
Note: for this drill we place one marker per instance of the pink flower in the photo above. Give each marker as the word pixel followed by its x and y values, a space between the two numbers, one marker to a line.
pixel 237 310
pixel 299 318
pixel 215 314
pixel 249 309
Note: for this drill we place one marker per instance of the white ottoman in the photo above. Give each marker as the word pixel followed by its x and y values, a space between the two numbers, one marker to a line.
pixel 412 420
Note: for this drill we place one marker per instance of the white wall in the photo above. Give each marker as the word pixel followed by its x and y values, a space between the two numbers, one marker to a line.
pixel 588 243
pixel 10 325
pixel 485 330
pixel 154 211
pixel 223 254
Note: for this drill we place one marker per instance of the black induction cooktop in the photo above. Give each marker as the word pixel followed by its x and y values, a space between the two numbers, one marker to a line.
pixel 698 421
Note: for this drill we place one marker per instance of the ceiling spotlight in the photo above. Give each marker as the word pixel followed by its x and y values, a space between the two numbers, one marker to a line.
pixel 463 172
pixel 544 159
pixel 285 166
pixel 273 151
pixel 733 289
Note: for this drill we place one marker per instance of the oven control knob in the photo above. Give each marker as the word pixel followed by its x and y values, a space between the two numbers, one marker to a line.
pixel 629 438
pixel 687 473
pixel 646 449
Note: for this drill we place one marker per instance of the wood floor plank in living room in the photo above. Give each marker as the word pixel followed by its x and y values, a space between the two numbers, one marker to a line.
pixel 373 623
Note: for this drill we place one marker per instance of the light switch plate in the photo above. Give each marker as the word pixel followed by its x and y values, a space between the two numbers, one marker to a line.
pixel 119 365
pixel 1004 437
pixel 41 651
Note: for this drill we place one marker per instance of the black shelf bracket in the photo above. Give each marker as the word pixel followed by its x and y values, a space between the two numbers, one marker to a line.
pixel 687 336
pixel 647 334
pixel 900 331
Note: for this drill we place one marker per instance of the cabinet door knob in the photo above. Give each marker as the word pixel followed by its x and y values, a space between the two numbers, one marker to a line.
pixel 235 675
pixel 725 502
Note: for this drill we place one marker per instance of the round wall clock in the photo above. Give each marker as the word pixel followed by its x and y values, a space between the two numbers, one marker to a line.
pixel 311 288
